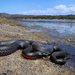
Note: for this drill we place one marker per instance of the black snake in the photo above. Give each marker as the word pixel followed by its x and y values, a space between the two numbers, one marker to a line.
pixel 32 50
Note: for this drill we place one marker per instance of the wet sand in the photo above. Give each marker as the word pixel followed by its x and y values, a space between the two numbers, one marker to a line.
pixel 15 64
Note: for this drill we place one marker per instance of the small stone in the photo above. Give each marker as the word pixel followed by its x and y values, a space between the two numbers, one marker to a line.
pixel 8 71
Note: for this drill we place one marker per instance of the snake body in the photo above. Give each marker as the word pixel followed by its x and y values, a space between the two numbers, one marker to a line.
pixel 10 46
pixel 32 50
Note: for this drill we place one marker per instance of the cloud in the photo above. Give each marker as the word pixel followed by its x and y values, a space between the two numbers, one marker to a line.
pixel 57 10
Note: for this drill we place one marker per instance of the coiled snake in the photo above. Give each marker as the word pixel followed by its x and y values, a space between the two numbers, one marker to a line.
pixel 32 50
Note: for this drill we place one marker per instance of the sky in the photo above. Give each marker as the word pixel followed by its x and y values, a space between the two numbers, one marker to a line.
pixel 38 7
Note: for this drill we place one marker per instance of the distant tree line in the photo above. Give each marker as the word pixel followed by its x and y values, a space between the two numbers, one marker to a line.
pixel 17 16
pixel 72 17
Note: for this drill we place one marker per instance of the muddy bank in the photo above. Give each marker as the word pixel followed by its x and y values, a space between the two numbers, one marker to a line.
pixel 15 64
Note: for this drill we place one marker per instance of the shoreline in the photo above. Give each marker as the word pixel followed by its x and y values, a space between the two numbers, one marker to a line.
pixel 15 64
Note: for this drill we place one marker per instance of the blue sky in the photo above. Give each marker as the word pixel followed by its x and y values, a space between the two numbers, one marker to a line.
pixel 38 7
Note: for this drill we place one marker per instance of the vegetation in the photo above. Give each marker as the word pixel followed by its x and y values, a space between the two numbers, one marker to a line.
pixel 8 16
pixel 0 15
pixel 72 17
pixel 13 23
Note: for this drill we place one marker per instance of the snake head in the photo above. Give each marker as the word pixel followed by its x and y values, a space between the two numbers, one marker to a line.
pixel 57 48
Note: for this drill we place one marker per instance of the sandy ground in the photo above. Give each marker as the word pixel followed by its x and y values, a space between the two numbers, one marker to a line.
pixel 15 64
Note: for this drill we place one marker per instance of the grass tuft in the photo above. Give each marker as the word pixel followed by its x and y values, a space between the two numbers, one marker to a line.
pixel 13 23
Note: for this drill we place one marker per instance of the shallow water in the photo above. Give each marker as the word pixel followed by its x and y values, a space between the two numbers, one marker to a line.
pixel 63 27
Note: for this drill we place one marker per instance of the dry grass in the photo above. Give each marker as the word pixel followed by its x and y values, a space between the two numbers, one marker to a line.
pixel 13 23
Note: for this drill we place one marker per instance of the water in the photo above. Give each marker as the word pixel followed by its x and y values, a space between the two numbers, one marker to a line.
pixel 63 27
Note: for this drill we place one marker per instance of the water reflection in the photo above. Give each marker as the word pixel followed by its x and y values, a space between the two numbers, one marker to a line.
pixel 63 27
